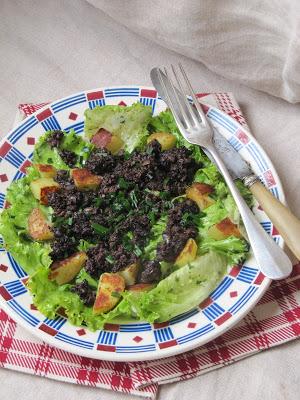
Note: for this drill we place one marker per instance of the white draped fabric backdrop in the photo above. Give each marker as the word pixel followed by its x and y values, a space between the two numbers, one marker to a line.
pixel 254 42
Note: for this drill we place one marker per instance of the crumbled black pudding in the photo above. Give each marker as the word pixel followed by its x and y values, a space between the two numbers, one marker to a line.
pixel 69 157
pixel 178 231
pixel 151 272
pixel 100 162
pixel 63 245
pixel 136 190
pixel 96 263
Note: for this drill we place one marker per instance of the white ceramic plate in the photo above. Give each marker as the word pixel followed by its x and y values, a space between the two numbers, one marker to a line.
pixel 239 291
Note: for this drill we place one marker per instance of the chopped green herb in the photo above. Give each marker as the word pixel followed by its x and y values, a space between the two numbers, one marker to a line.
pixel 127 155
pixel 151 216
pixel 133 198
pixel 121 203
pixel 98 201
pixel 70 221
pixel 127 246
pixel 164 194
pixel 100 229
pixel 122 183
pixel 59 221
pixel 129 235
pixel 137 251
pixel 110 259
pixel 168 204
pixel 84 245
pixel 127 241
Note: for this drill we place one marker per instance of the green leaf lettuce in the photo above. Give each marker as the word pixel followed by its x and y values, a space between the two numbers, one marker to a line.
pixel 129 123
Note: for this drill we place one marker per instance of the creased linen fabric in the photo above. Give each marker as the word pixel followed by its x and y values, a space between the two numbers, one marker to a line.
pixel 254 42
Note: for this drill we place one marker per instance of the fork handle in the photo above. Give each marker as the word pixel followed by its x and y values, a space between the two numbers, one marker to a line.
pixel 287 224
pixel 271 259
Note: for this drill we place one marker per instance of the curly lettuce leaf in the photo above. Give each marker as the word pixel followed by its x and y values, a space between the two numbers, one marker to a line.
pixel 49 297
pixel 232 248
pixel 83 275
pixel 13 226
pixel 44 154
pixel 225 205
pixel 129 123
pixel 212 215
pixel 209 175
pixel 182 290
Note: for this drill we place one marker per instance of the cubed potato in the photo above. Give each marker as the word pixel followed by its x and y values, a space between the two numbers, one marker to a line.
pixel 166 140
pixel 84 179
pixel 105 139
pixel 46 170
pixel 65 271
pixel 109 292
pixel 130 274
pixel 187 254
pixel 38 226
pixel 199 193
pixel 140 287
pixel 224 229
pixel 42 187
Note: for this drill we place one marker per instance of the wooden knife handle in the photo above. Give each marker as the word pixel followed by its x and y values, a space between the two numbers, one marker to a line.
pixel 287 224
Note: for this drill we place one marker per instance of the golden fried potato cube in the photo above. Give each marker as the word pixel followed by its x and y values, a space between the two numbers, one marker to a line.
pixel 65 271
pixel 199 193
pixel 166 140
pixel 187 254
pixel 110 287
pixel 46 170
pixel 107 140
pixel 224 229
pixel 84 179
pixel 42 187
pixel 38 226
pixel 130 274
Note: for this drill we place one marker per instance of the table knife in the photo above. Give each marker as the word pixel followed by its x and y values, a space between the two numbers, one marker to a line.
pixel 286 223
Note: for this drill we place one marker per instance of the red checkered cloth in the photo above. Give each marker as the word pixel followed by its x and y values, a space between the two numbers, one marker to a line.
pixel 274 320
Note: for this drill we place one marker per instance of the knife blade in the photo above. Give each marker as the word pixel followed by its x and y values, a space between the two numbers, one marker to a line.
pixel 236 165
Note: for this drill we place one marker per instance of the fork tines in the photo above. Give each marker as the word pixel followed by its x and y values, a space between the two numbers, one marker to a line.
pixel 177 97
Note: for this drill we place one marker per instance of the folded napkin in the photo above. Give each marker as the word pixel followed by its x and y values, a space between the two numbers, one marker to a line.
pixel 274 320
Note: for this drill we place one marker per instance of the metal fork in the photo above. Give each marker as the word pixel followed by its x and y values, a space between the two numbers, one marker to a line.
pixel 196 129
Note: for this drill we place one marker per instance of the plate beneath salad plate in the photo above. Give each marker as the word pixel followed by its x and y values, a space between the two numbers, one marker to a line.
pixel 238 292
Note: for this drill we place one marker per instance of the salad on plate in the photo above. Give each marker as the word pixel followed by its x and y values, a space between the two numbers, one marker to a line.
pixel 128 223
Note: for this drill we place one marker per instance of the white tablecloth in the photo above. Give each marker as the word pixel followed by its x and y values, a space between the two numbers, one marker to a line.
pixel 50 49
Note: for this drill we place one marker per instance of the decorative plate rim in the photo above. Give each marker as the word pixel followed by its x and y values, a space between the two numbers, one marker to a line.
pixel 161 353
